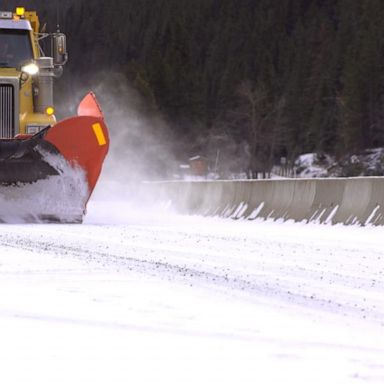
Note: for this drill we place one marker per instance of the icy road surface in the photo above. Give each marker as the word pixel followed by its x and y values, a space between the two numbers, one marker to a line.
pixel 128 298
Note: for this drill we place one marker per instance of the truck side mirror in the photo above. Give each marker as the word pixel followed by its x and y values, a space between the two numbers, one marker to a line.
pixel 60 55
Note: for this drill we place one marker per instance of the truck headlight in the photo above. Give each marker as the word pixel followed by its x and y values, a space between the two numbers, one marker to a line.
pixel 31 69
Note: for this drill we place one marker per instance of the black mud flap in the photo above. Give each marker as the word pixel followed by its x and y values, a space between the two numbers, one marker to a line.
pixel 21 160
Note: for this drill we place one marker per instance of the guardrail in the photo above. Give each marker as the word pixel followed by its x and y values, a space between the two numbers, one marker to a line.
pixel 333 200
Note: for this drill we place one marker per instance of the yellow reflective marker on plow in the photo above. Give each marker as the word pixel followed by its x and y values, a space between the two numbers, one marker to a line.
pixel 99 134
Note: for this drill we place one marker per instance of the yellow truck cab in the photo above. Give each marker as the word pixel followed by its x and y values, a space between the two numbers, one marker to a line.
pixel 26 74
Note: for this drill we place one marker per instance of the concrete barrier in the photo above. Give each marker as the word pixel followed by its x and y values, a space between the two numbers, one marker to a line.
pixel 279 199
pixel 356 197
pixel 241 199
pixel 340 200
pixel 214 201
pixel 301 207
pixel 374 212
pixel 327 199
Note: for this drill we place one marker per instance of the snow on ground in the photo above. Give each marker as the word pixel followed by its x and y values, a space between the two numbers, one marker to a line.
pixel 27 202
pixel 135 297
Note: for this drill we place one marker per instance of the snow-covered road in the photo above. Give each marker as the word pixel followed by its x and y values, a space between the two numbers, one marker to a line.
pixel 153 298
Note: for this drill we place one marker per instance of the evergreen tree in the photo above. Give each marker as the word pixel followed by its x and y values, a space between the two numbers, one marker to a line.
pixel 318 64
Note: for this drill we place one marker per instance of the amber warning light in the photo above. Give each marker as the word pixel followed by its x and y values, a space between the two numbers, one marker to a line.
pixel 20 11
pixel 50 111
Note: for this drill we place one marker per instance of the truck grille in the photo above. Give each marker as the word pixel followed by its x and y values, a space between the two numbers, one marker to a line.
pixel 7 111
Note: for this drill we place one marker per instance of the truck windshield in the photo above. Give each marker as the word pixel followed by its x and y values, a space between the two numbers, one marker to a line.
pixel 15 48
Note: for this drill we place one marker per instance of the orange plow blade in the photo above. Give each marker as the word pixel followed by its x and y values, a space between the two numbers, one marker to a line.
pixel 83 140
pixel 50 176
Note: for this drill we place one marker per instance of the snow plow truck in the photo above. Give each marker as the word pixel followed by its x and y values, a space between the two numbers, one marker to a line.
pixel 48 169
